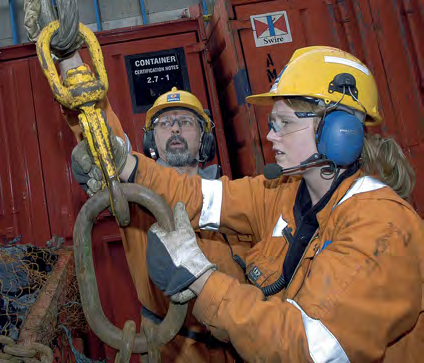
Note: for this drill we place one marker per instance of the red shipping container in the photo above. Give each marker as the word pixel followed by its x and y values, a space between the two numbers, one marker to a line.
pixel 38 195
pixel 251 41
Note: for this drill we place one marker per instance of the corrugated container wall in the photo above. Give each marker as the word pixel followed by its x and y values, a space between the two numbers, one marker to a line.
pixel 38 195
pixel 251 41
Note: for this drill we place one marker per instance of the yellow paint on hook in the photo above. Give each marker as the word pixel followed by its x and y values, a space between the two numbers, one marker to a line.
pixel 81 90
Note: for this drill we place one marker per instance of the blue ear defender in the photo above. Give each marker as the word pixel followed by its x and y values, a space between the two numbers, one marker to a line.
pixel 340 137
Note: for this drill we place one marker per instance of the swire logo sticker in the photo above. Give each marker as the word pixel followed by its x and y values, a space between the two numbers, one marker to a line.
pixel 271 28
pixel 173 97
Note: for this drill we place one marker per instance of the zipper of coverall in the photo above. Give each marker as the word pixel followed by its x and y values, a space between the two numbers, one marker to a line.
pixel 309 244
pixel 315 236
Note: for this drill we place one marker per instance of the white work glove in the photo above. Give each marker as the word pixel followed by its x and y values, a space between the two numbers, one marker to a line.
pixel 86 173
pixel 174 259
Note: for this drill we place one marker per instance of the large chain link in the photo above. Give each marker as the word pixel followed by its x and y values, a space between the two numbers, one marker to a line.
pixel 31 353
pixel 127 346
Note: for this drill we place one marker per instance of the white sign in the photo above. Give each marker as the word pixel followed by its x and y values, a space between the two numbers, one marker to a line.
pixel 271 29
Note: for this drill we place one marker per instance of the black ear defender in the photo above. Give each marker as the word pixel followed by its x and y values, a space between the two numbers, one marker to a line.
pixel 207 144
pixel 149 145
pixel 207 148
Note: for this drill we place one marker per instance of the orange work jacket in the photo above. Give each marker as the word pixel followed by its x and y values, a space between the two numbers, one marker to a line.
pixel 357 293
pixel 134 237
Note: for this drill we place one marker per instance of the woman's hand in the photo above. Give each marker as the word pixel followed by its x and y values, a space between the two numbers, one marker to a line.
pixel 174 259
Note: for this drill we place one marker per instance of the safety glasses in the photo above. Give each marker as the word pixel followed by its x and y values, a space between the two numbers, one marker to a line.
pixel 166 122
pixel 282 125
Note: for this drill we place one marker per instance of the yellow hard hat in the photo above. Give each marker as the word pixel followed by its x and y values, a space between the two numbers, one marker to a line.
pixel 323 73
pixel 177 98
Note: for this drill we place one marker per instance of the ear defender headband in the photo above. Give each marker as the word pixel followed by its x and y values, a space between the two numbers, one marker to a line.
pixel 207 143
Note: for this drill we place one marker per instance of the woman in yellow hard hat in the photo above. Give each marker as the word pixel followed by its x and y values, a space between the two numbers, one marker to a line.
pixel 338 272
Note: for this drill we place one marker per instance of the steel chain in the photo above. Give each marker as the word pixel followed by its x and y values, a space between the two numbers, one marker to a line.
pixel 127 346
pixel 15 353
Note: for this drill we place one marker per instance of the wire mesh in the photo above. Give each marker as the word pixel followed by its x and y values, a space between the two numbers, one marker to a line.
pixel 24 271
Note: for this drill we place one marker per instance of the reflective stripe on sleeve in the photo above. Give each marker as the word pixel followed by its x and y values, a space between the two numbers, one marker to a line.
pixel 212 201
pixel 323 345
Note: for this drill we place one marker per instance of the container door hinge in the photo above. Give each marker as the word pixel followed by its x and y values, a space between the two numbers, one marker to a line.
pixel 342 12
pixel 195 48
pixel 240 24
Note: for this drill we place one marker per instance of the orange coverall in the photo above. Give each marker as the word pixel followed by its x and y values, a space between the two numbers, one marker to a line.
pixel 357 293
pixel 134 238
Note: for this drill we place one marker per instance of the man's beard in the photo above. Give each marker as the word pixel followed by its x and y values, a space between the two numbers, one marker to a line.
pixel 178 157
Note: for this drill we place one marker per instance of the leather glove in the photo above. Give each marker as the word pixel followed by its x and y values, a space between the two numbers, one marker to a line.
pixel 85 171
pixel 174 259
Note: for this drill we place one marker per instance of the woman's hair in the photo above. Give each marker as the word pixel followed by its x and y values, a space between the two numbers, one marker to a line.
pixel 384 157
pixel 380 157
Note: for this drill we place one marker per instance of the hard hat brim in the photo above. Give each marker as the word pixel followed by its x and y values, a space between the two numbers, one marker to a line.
pixel 263 99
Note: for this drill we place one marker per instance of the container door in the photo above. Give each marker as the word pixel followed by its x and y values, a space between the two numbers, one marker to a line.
pixel 382 34
pixel 241 127
pixel 398 27
pixel 273 31
pixel 23 209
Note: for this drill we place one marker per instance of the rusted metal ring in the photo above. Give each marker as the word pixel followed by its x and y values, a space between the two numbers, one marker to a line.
pixel 7 340
pixel 124 354
pixel 18 351
pixel 31 360
pixel 46 354
pixel 90 299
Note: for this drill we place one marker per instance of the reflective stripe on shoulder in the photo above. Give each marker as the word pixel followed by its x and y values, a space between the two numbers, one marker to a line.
pixel 278 229
pixel 362 185
pixel 210 215
pixel 323 345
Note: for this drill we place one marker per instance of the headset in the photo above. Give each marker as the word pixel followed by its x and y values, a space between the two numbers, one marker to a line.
pixel 340 137
pixel 207 148
pixel 340 134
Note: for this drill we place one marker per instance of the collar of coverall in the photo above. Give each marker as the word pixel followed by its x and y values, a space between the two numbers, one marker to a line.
pixel 211 172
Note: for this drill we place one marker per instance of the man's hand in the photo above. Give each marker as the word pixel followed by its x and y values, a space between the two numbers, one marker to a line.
pixel 87 174
pixel 174 259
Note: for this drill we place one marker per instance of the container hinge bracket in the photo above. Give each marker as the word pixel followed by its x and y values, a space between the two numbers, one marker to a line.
pixel 240 24
pixel 195 48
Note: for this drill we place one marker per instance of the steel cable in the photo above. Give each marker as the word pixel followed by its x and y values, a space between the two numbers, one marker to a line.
pixel 32 10
pixel 66 37
pixel 39 13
